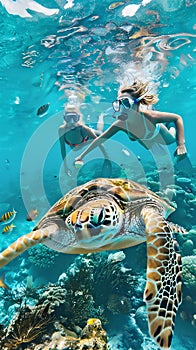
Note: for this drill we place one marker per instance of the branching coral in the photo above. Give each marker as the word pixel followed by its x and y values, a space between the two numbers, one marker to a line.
pixel 118 304
pixel 92 286
pixel 71 299
pixel 27 325
pixel 111 275
pixel 79 282
pixel 95 284
pixel 19 295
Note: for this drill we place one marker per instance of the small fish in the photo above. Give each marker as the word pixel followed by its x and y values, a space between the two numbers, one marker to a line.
pixel 8 217
pixel 2 283
pixel 114 5
pixel 93 18
pixel 126 152
pixel 32 214
pixel 43 109
pixel 8 228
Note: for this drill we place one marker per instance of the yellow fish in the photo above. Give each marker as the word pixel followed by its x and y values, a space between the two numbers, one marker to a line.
pixel 2 283
pixel 32 214
pixel 8 228
pixel 114 5
pixel 8 217
pixel 43 109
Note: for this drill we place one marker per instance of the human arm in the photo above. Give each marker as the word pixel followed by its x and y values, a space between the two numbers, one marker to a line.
pixel 162 117
pixel 99 140
pixel 61 133
pixel 91 134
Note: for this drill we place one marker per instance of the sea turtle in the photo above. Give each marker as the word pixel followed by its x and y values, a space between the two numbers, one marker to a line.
pixel 107 214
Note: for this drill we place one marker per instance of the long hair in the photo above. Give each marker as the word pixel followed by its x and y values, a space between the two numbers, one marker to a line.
pixel 137 89
pixel 71 109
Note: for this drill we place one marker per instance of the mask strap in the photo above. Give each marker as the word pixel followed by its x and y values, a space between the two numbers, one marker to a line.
pixel 141 97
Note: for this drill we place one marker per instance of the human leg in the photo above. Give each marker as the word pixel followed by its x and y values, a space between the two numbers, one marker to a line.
pixel 100 124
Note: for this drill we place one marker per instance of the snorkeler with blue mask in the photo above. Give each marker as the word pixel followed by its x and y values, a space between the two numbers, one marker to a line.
pixel 144 126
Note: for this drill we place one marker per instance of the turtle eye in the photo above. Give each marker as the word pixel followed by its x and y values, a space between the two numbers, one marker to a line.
pixel 98 217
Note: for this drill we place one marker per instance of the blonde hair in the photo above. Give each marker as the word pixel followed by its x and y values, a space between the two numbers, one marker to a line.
pixel 71 109
pixel 137 89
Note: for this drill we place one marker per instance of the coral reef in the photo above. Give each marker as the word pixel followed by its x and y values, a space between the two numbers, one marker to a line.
pixel 96 285
pixel 183 182
pixel 111 275
pixel 188 308
pixel 187 242
pixel 27 325
pixel 19 295
pixel 182 192
pixel 116 342
pixel 133 336
pixel 92 337
pixel 29 330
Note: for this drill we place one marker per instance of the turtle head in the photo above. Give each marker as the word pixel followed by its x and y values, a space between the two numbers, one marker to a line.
pixel 98 220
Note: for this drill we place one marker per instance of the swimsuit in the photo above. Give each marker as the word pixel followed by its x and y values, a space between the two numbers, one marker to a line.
pixel 147 133
pixel 84 139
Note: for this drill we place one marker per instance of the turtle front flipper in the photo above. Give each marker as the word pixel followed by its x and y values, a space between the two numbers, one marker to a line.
pixel 177 228
pixel 163 287
pixel 23 243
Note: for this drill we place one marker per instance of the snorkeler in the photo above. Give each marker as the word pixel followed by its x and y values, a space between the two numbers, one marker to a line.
pixel 143 126
pixel 75 133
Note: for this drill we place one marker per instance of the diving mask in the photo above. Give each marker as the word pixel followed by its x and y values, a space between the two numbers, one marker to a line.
pixel 126 102
pixel 71 116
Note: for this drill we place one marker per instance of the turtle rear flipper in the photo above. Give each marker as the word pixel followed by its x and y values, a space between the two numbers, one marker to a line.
pixel 23 243
pixel 163 287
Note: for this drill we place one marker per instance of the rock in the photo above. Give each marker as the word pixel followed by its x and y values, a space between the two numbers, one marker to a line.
pixel 188 247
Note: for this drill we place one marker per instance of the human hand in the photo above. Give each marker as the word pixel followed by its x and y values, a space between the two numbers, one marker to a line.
pixel 78 163
pixel 180 152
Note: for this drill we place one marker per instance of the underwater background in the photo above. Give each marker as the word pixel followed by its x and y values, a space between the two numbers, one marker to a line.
pixel 50 50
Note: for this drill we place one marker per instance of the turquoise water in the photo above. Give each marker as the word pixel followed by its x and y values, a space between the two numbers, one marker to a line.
pixel 89 48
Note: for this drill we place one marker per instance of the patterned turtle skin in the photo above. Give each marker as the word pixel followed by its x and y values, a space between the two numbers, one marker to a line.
pixel 108 214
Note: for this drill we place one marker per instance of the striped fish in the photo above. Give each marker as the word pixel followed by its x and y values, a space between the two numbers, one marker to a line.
pixel 43 110
pixel 8 217
pixel 8 228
